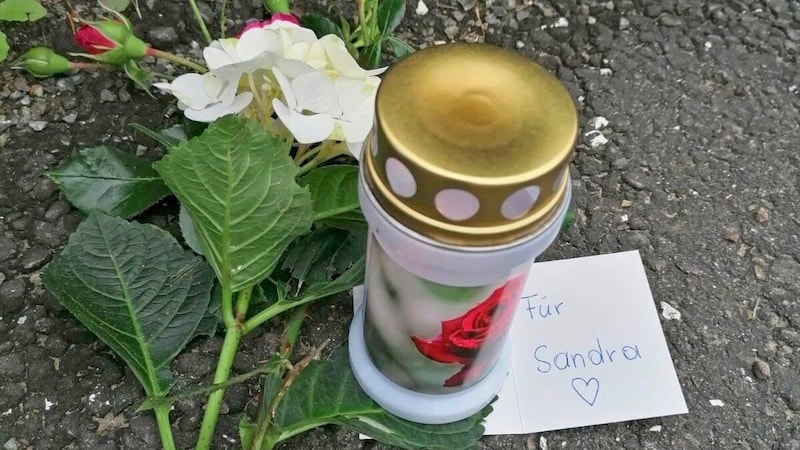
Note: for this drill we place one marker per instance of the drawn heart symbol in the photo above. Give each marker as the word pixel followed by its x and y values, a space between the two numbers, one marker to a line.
pixel 587 390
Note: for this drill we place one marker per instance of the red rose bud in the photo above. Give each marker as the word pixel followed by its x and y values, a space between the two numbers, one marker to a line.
pixel 110 41
pixel 42 62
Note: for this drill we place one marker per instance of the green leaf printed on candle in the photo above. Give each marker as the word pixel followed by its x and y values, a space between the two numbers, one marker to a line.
pixel 451 293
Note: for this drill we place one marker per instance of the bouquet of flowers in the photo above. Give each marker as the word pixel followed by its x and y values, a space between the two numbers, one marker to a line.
pixel 269 216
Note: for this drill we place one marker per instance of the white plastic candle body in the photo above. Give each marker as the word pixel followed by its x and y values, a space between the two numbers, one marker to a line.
pixel 409 279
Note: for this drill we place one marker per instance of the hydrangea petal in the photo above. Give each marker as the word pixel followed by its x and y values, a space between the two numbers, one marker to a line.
pixel 315 92
pixel 342 60
pixel 190 90
pixel 306 129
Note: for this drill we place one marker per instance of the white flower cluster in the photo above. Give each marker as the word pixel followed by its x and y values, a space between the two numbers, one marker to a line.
pixel 314 85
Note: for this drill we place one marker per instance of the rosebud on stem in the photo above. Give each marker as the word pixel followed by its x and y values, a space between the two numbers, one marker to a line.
pixel 43 62
pixel 110 41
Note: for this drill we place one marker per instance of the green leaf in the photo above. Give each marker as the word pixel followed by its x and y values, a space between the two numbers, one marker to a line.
pixel 139 75
pixel 351 278
pixel 193 129
pixel 237 181
pixel 326 392
pixel 108 180
pixel 21 10
pixel 188 232
pixel 323 254
pixel 371 55
pixel 334 190
pixel 213 316
pixel 321 25
pixel 390 14
pixel 177 133
pixel 135 288
pixel 352 221
pixel 3 47
pixel 400 48
pixel 247 432
pixel 115 5
pixel 569 219
pixel 168 140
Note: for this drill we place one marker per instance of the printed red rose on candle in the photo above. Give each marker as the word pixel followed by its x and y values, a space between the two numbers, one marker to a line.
pixel 463 337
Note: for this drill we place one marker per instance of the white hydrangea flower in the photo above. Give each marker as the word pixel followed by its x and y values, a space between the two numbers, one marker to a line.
pixel 318 107
pixel 231 58
pixel 324 93
pixel 206 98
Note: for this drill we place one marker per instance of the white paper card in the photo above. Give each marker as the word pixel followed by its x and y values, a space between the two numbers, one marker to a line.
pixel 588 349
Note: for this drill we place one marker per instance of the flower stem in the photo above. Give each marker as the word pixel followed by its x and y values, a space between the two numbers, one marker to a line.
pixel 307 155
pixel 256 95
pixel 176 59
pixel 264 418
pixel 200 21
pixel 222 18
pixel 362 18
pixel 162 418
pixel 233 335
pixel 301 150
pixel 85 65
pixel 277 308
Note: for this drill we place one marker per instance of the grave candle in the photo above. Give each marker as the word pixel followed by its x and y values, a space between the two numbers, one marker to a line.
pixel 464 181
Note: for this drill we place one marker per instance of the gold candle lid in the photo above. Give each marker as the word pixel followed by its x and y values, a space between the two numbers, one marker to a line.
pixel 472 144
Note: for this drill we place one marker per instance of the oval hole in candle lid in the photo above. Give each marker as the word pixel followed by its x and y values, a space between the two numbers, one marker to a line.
pixel 400 178
pixel 457 204
pixel 520 202
pixel 374 143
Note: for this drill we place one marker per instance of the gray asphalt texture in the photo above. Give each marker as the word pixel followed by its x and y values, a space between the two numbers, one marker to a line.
pixel 697 168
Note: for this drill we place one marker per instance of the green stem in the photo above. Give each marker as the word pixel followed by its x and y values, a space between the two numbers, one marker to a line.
pixel 227 307
pixel 242 303
pixel 362 17
pixel 194 392
pixel 162 417
pixel 85 65
pixel 233 335
pixel 176 59
pixel 278 308
pixel 256 90
pixel 200 21
pixel 222 19
pixel 308 155
pixel 290 334
pixel 301 150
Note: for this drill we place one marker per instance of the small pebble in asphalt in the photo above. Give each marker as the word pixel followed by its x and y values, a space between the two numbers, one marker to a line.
pixel 732 235
pixel 107 96
pixel 761 370
pixel 162 36
pixel 37 125
pixel 762 215
pixel 35 258
pixel 422 8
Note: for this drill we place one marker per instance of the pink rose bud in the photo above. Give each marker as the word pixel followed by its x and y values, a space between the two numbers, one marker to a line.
pixel 277 17
pixel 110 41
pixel 42 62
